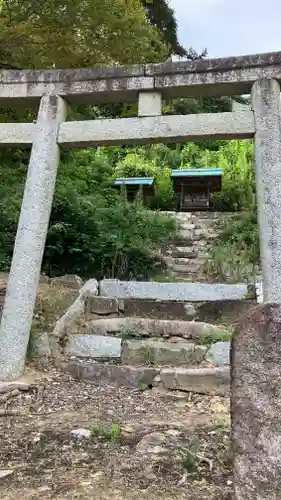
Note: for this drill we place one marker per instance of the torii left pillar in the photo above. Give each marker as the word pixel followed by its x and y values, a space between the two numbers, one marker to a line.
pixel 31 237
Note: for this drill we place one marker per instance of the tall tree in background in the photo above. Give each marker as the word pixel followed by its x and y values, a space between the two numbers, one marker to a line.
pixel 77 33
pixel 162 16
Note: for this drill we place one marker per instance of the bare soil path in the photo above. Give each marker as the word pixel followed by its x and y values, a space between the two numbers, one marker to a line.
pixel 141 445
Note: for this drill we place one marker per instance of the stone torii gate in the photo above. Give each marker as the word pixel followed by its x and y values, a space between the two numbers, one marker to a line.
pixel 256 398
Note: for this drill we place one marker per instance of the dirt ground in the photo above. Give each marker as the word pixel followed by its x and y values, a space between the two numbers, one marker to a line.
pixel 141 444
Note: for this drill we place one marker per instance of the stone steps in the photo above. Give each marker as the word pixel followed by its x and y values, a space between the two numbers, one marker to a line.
pixel 134 327
pixel 224 311
pixel 181 252
pixel 213 381
pixel 184 261
pixel 177 351
pixel 157 352
pixel 188 277
pixel 98 339
pixel 193 267
pixel 196 233
pixel 168 355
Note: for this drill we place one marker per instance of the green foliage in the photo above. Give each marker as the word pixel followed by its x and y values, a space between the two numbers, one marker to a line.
pixel 73 33
pixel 190 459
pixel 92 231
pixel 211 338
pixel 238 188
pixel 143 387
pixel 190 105
pixel 142 164
pixel 107 433
pixel 162 16
pixel 235 254
pixel 235 158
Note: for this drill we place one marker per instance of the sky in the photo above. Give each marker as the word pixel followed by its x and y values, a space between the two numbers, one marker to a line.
pixel 229 28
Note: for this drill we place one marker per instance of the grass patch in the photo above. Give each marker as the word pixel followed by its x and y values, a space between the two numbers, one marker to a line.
pixel 164 278
pixel 106 433
pixel 211 338
pixel 190 458
pixel 234 256
pixel 127 333
pixel 190 461
pixel 148 356
pixel 52 301
pixel 143 387
pixel 221 421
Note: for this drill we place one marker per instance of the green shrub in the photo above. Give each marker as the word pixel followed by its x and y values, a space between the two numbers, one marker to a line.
pixel 107 433
pixel 140 164
pixel 235 253
pixel 93 231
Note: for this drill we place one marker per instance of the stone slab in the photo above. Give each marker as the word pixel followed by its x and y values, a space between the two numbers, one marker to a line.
pixel 222 76
pixel 199 380
pixel 219 354
pixel 216 64
pixel 74 315
pixel 189 292
pixel 224 312
pixel 11 386
pixel 145 327
pixel 131 131
pixel 18 134
pixel 69 280
pixel 100 373
pixel 93 346
pixel 155 352
pixel 101 305
pixel 256 404
pixel 159 309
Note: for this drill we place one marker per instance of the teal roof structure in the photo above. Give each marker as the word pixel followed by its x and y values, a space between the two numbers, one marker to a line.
pixel 197 172
pixel 134 181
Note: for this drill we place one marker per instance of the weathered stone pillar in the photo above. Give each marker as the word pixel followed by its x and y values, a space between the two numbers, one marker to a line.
pixel 30 239
pixel 266 107
pixel 256 404
pixel 149 104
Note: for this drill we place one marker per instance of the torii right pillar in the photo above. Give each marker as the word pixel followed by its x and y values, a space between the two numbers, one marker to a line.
pixel 256 346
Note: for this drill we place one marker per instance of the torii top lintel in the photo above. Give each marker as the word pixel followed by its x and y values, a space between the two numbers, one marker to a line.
pixel 215 77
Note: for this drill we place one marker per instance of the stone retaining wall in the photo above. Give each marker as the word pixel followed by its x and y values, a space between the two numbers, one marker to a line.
pixel 223 311
pixel 214 381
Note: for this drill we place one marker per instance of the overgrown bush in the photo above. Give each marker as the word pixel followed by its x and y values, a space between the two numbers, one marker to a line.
pixel 142 164
pixel 93 231
pixel 235 158
pixel 235 254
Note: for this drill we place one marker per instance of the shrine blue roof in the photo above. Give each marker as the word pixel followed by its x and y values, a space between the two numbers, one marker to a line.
pixel 134 181
pixel 197 172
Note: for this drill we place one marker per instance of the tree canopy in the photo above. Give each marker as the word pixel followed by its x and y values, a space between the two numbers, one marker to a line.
pixel 162 16
pixel 73 33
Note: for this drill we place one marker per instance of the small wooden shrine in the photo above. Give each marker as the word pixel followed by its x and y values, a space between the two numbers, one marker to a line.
pixel 134 186
pixel 193 187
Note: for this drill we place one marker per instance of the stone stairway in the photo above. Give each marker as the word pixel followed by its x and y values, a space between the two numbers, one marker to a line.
pixel 141 353
pixel 185 256
pixel 121 336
